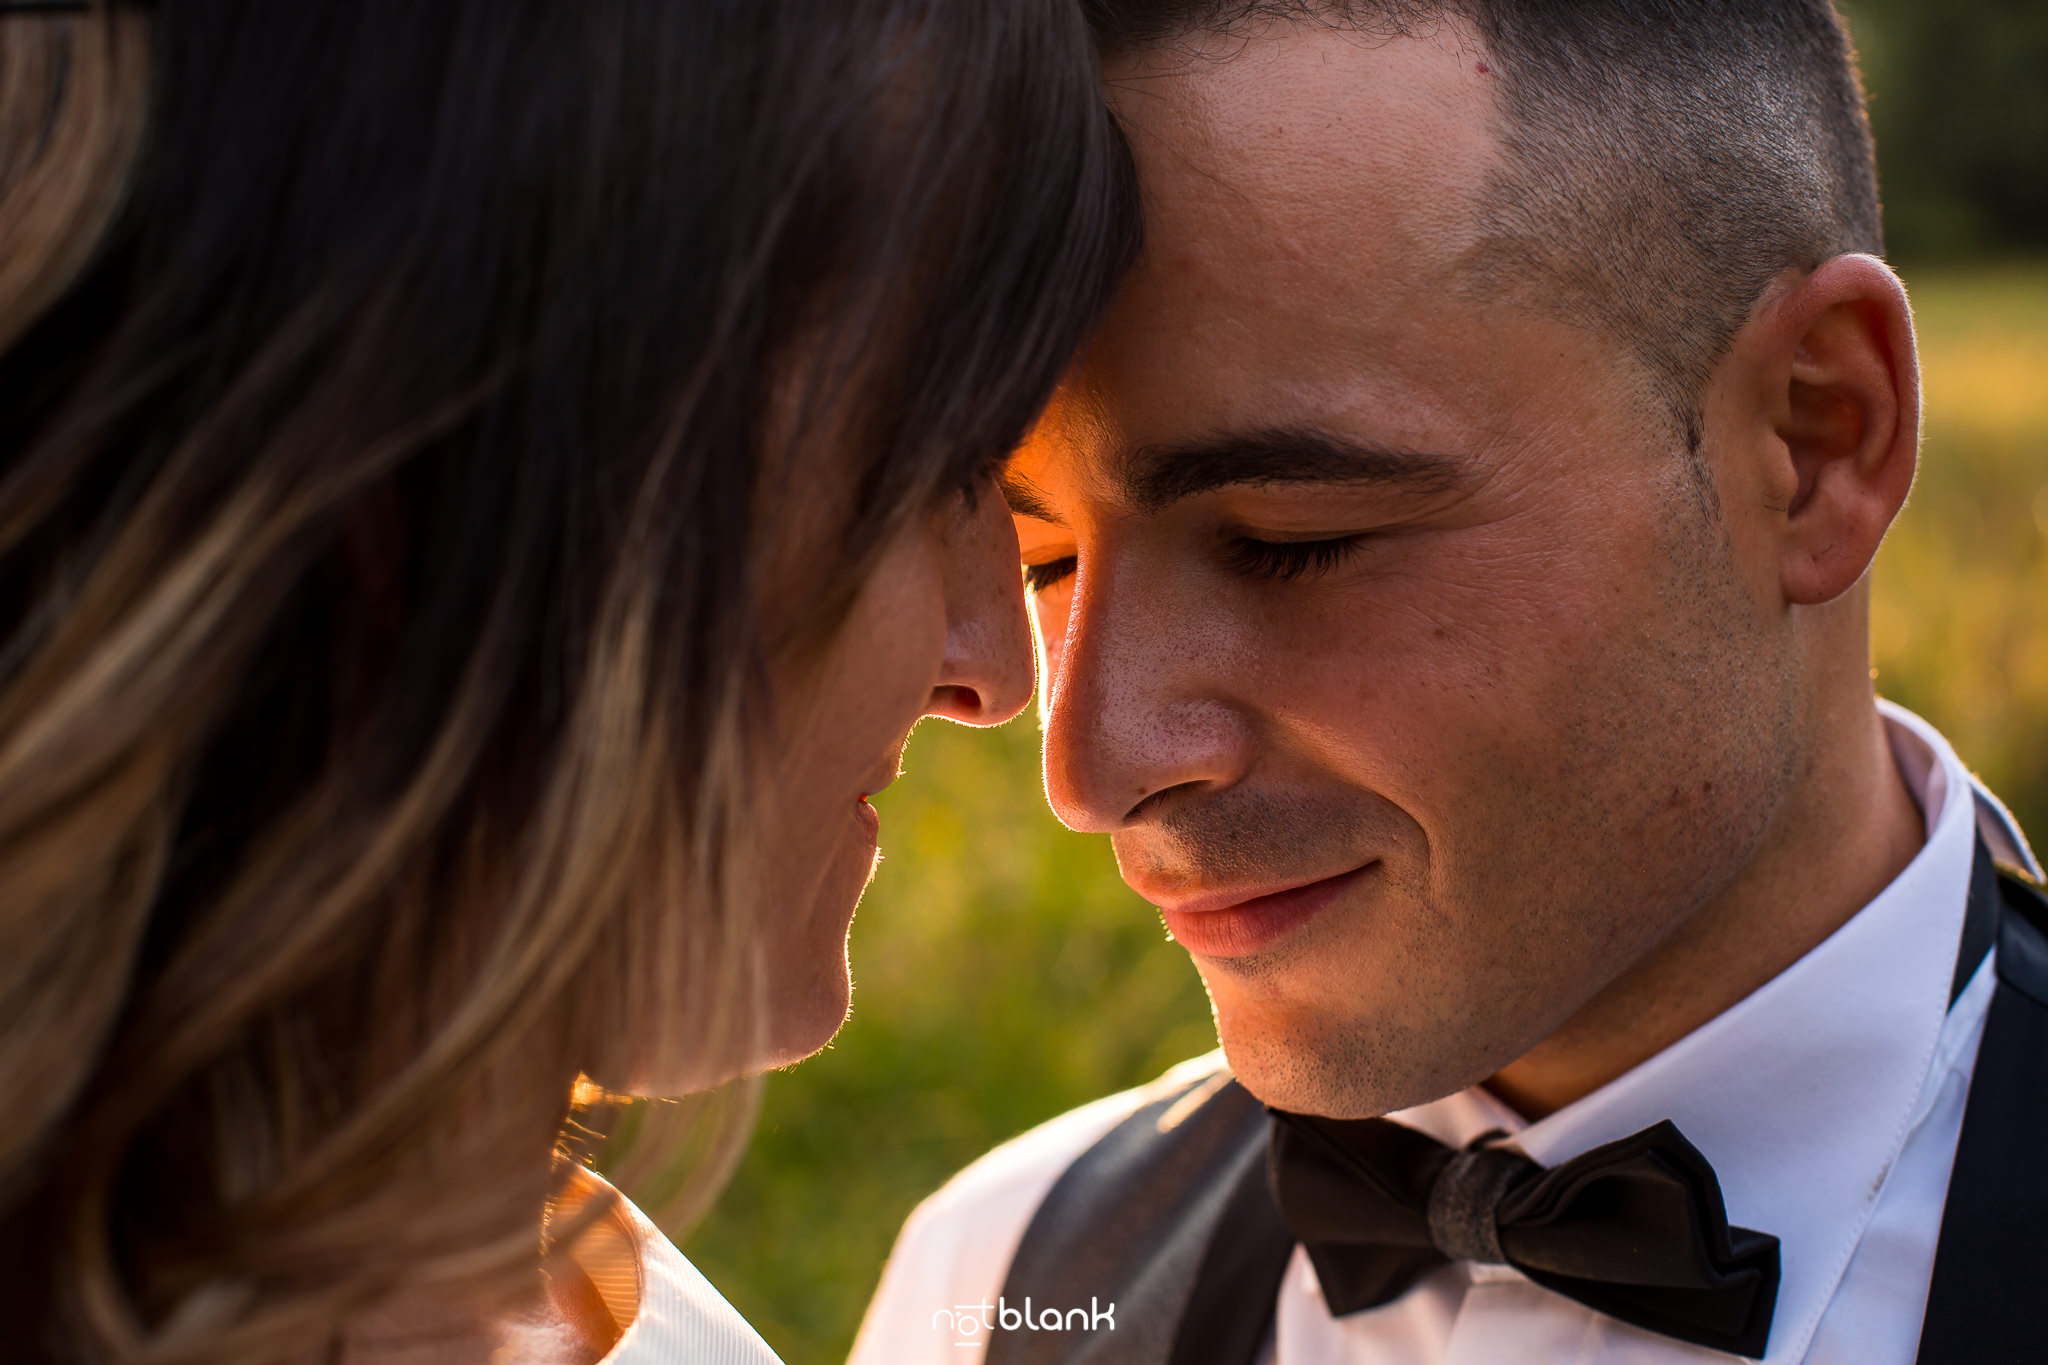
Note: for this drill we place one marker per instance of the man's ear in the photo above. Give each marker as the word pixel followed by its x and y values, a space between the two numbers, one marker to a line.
pixel 1842 391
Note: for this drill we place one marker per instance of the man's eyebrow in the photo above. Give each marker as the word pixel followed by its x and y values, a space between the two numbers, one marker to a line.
pixel 1154 477
pixel 1026 499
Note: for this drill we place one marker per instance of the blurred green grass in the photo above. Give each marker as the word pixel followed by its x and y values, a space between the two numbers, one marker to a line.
pixel 1959 616
pixel 1005 974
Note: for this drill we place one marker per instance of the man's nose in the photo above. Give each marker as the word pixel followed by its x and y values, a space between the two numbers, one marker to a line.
pixel 1136 701
pixel 987 674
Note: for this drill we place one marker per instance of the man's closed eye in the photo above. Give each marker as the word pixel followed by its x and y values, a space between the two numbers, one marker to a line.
pixel 1039 577
pixel 1286 560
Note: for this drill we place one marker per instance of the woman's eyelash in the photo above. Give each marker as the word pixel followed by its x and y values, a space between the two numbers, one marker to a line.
pixel 1290 559
pixel 1039 577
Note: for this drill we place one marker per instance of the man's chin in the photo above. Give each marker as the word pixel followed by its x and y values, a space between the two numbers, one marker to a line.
pixel 1354 1071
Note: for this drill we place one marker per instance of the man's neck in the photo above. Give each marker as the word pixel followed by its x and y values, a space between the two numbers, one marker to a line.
pixel 1854 831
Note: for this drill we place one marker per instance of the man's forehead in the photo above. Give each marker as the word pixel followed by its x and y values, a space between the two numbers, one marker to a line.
pixel 1308 139
pixel 1308 194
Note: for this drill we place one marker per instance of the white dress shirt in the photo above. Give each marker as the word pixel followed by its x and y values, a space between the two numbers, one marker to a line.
pixel 670 1312
pixel 1829 1102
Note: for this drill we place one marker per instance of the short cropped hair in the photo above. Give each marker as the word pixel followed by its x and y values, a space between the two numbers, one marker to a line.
pixel 1663 159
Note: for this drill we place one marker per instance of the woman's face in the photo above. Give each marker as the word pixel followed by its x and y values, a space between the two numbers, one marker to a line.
pixel 938 630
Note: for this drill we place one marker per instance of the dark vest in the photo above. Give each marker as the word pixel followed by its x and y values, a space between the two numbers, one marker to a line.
pixel 1170 1216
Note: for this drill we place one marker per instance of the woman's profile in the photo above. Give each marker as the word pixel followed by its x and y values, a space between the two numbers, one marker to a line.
pixel 486 488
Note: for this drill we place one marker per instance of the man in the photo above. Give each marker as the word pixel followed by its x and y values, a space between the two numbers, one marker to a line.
pixel 1450 563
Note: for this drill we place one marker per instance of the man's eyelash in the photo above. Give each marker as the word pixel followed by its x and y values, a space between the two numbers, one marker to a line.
pixel 1039 577
pixel 1286 560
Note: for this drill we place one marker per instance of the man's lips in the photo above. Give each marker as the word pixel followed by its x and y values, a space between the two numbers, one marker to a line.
pixel 1240 921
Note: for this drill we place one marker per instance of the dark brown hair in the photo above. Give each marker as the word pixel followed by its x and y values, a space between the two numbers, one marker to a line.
pixel 392 430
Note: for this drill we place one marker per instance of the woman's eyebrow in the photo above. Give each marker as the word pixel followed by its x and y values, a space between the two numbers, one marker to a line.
pixel 1154 477
pixel 1026 499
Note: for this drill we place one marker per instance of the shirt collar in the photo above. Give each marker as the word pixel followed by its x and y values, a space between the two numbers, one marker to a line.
pixel 1802 1094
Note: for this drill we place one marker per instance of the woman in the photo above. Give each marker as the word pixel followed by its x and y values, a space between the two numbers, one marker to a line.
pixel 485 489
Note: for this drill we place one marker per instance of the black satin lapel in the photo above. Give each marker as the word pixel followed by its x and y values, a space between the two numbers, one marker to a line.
pixel 1230 1308
pixel 1983 1304
pixel 1128 1224
pixel 1980 920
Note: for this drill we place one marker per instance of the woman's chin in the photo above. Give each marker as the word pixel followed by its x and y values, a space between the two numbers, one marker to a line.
pixel 801 1022
pixel 805 1020
pixel 813 984
pixel 810 989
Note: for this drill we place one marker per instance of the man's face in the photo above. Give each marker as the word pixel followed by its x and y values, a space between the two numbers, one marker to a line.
pixel 1385 624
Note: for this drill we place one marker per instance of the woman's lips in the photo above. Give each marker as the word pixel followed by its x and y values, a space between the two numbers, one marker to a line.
pixel 868 818
pixel 1238 928
pixel 879 777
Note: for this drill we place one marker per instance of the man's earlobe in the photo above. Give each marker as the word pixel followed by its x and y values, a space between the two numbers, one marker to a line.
pixel 1848 417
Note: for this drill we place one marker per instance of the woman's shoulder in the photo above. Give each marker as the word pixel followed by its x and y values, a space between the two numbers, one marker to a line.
pixel 669 1313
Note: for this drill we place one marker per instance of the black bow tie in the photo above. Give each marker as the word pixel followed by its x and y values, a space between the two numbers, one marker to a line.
pixel 1635 1229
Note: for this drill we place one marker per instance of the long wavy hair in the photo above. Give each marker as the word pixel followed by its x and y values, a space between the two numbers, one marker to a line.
pixel 398 403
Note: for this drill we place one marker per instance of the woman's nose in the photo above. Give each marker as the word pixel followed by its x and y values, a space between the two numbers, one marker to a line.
pixel 988 671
